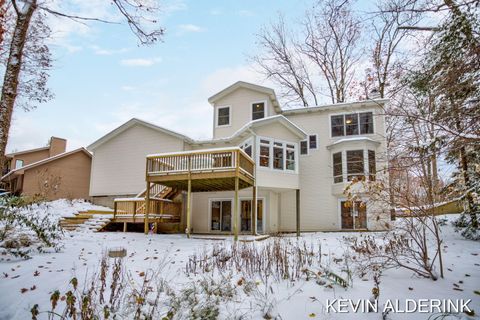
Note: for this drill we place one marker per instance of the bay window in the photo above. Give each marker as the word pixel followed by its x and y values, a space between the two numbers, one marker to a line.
pixel 264 153
pixel 290 157
pixel 277 155
pixel 354 164
pixel 372 168
pixel 337 167
pixel 358 164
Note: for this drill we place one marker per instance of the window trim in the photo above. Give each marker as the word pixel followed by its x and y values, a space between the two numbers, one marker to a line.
pixel 284 147
pixel 217 108
pixel 357 112
pixel 19 160
pixel 232 203
pixel 300 148
pixel 265 111
pixel 316 141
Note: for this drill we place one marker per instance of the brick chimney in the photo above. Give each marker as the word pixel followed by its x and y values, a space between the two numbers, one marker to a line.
pixel 57 146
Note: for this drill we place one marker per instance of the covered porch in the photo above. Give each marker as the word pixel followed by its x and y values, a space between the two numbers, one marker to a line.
pixel 223 169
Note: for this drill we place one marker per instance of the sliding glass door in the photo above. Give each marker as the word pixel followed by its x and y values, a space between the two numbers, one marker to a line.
pixel 221 215
pixel 246 215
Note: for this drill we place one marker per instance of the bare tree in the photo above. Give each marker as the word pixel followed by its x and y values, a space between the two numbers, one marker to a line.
pixel 137 13
pixel 282 61
pixel 332 43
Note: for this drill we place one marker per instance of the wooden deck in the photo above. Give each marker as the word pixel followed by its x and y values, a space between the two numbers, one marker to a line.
pixel 225 169
pixel 208 170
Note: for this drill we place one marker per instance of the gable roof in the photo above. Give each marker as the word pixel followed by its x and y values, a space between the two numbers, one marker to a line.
pixel 130 123
pixel 10 155
pixel 258 123
pixel 247 85
pixel 47 160
pixel 329 107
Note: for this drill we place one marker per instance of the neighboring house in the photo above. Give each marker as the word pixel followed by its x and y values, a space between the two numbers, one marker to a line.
pixel 49 172
pixel 302 161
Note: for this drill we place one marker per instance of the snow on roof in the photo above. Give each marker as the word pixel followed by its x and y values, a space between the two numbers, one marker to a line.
pixel 131 123
pixel 351 139
pixel 257 123
pixel 255 87
pixel 328 107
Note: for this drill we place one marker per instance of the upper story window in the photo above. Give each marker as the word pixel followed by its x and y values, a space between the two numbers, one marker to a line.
pixel 277 155
pixel 312 141
pixel 355 164
pixel 247 147
pixel 264 153
pixel 351 124
pixel 303 147
pixel 18 164
pixel 309 144
pixel 337 167
pixel 258 110
pixel 223 116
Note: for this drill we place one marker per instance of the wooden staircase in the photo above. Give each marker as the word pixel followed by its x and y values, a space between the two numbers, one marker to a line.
pixel 92 220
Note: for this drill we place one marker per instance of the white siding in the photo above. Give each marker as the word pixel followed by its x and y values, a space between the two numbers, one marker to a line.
pixel 118 165
pixel 318 194
pixel 240 102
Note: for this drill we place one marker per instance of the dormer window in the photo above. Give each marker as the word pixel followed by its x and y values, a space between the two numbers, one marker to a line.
pixel 223 116
pixel 258 110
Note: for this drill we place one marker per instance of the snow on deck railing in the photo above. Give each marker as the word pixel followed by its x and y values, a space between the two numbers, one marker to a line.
pixel 200 160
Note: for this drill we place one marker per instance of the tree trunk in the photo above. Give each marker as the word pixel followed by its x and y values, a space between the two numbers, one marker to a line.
pixel 12 72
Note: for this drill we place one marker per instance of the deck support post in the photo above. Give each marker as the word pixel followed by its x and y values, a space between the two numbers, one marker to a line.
pixel 254 210
pixel 189 207
pixel 147 208
pixel 297 196
pixel 235 211
pixel 124 227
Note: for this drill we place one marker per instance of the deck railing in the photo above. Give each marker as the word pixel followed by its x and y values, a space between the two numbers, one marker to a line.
pixel 213 160
pixel 133 207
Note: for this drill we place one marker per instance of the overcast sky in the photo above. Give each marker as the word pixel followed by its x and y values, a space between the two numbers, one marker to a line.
pixel 102 78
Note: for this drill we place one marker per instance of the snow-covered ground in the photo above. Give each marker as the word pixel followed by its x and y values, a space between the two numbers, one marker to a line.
pixel 291 300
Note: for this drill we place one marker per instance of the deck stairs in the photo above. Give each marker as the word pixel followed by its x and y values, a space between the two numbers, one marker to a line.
pixel 96 220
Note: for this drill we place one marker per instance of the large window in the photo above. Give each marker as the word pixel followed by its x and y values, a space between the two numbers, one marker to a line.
pixel 223 116
pixel 290 157
pixel 337 167
pixel 264 153
pixel 258 110
pixel 351 124
pixel 277 155
pixel 354 164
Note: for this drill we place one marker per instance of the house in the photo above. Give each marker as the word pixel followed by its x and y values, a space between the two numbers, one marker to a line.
pixel 49 172
pixel 296 163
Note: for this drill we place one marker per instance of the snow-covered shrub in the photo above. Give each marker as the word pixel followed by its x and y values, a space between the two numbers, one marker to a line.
pixel 24 227
pixel 281 259
pixel 408 246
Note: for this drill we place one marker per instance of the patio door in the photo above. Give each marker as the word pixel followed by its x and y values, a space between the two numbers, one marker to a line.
pixel 221 215
pixel 246 215
pixel 353 215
